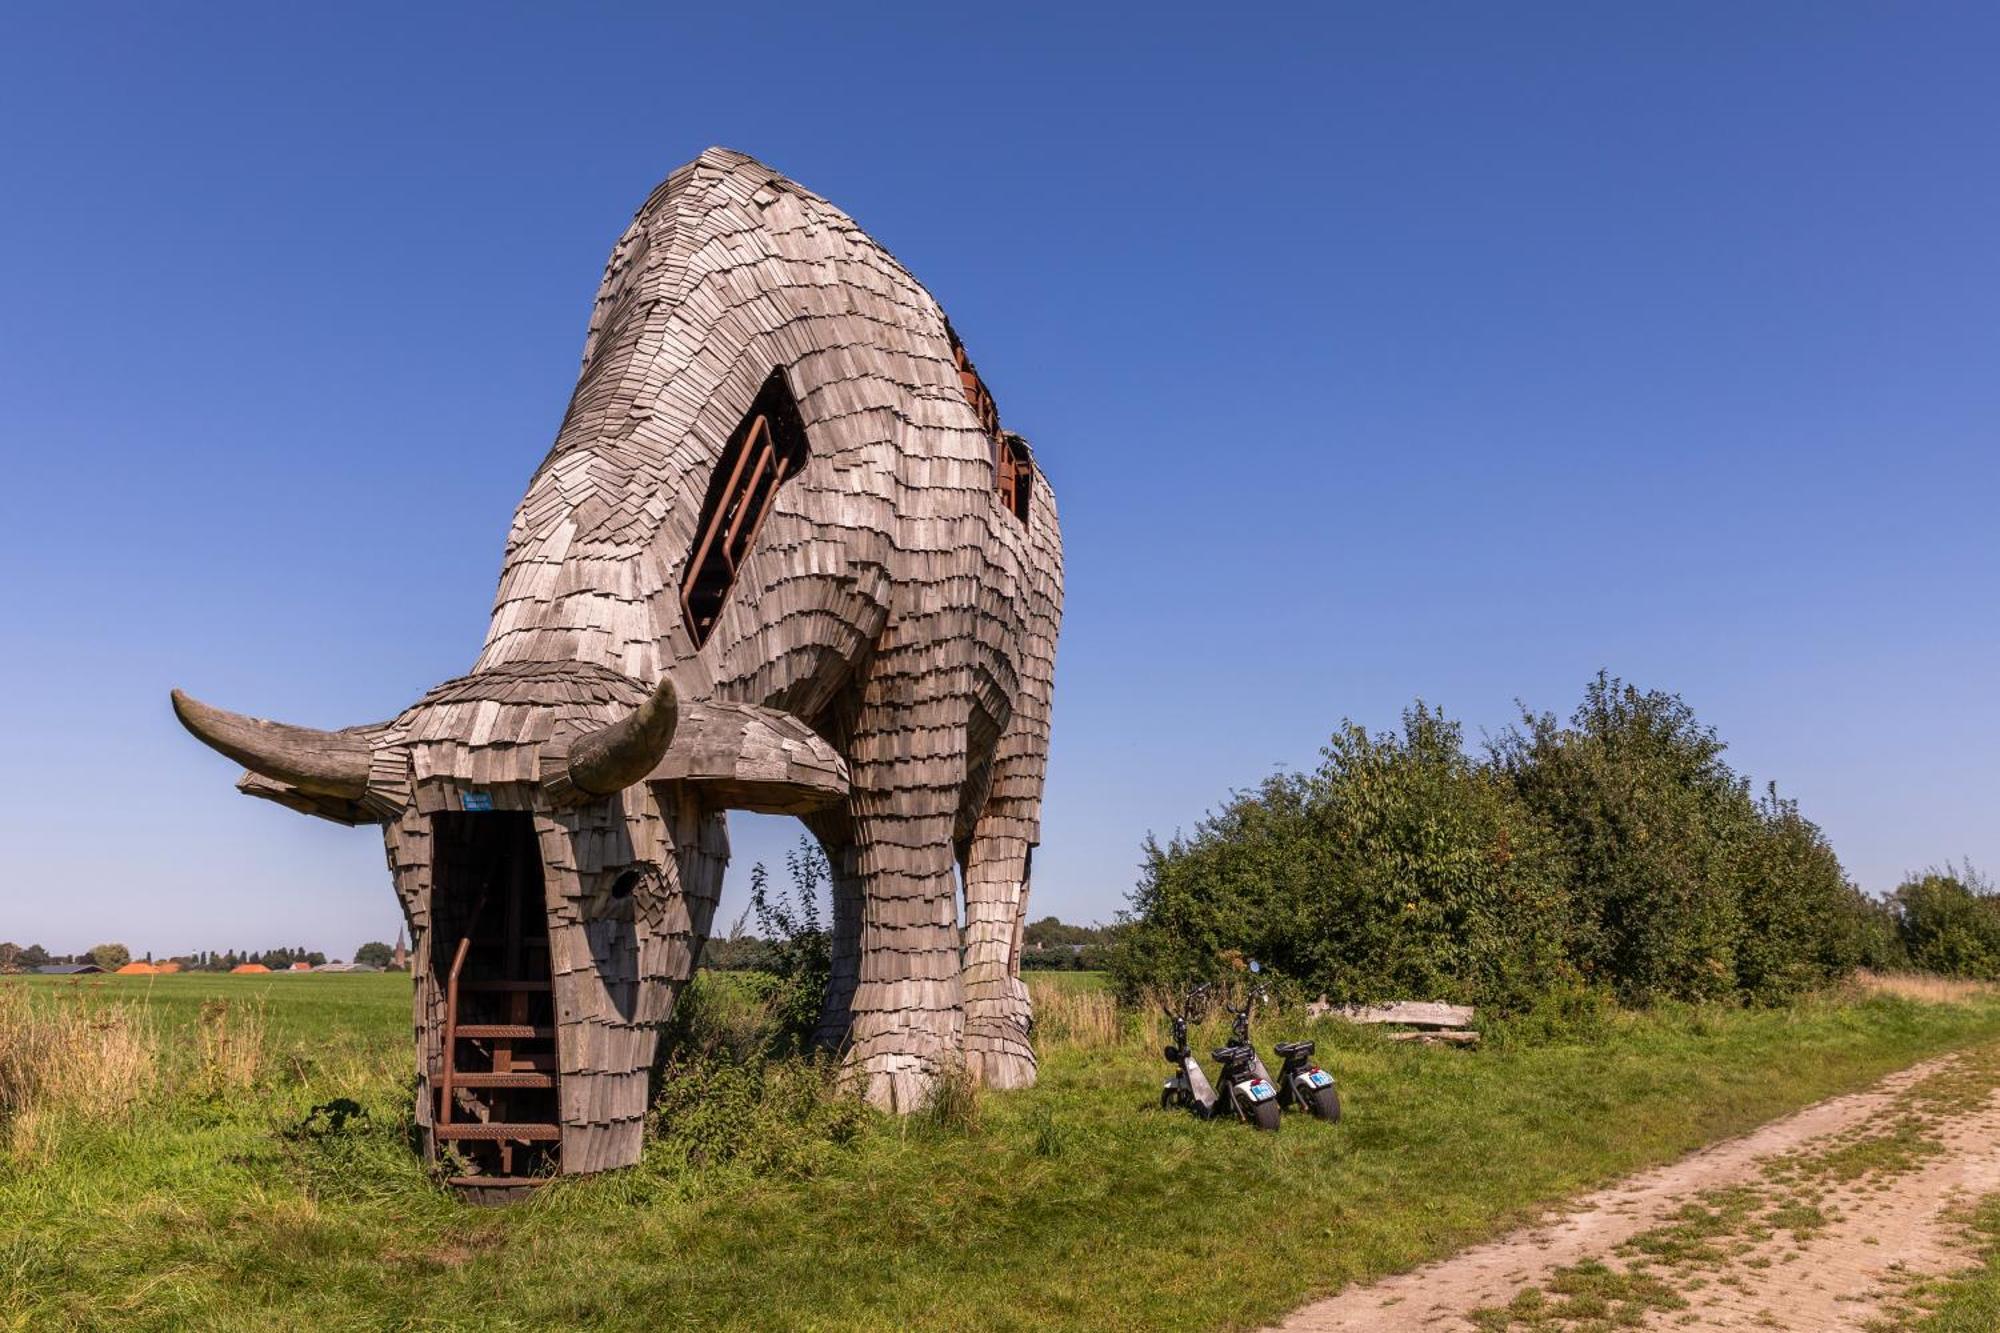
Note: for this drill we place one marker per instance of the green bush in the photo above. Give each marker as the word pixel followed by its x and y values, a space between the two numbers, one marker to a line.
pixel 1650 817
pixel 1398 867
pixel 1614 854
pixel 1800 915
pixel 780 1117
pixel 1949 923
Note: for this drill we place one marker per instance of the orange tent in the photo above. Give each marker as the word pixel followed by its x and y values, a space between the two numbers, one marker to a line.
pixel 165 968
pixel 249 967
pixel 136 969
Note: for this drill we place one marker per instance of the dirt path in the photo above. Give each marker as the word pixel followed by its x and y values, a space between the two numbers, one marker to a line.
pixel 1814 1222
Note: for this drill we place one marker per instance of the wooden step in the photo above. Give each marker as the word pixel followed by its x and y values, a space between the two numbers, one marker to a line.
pixel 495 1129
pixel 514 1079
pixel 506 1031
pixel 505 987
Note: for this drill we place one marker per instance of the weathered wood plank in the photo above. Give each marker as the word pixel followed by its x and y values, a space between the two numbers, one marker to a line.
pixel 1413 1013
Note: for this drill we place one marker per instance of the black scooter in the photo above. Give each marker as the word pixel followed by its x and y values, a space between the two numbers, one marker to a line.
pixel 1189 1088
pixel 1303 1083
pixel 1300 1082
pixel 1250 1092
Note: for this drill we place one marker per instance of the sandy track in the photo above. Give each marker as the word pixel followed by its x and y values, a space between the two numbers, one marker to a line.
pixel 1877 1177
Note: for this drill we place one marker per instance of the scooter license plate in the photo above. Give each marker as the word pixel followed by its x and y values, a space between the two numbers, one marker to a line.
pixel 1318 1078
pixel 1257 1090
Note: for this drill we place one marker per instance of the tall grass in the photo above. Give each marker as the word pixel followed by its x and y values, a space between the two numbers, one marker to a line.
pixel 66 1058
pixel 1075 1016
pixel 228 1047
pixel 1924 986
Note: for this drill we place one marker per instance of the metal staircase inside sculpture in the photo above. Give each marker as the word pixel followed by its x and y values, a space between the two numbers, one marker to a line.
pixel 781 557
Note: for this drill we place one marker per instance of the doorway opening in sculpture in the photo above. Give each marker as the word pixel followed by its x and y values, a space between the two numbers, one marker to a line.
pixel 767 449
pixel 496 1078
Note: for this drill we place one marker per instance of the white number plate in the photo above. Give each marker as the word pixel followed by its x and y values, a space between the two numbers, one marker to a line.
pixel 1257 1090
pixel 1318 1078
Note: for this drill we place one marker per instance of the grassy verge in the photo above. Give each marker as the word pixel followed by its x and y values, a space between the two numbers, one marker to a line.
pixel 226 1204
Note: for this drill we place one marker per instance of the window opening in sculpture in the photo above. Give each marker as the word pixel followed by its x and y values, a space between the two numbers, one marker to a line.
pixel 1013 470
pixel 767 448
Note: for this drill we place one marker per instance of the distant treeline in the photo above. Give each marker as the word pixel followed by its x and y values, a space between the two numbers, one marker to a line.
pixel 110 957
pixel 1617 852
pixel 790 936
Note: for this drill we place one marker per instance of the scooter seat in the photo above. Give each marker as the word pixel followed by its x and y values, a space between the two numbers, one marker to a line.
pixel 1294 1048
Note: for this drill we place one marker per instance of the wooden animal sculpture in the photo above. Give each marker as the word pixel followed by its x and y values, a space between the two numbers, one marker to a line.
pixel 781 557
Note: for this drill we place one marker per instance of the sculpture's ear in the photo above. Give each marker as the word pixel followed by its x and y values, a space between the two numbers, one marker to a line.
pixel 741 757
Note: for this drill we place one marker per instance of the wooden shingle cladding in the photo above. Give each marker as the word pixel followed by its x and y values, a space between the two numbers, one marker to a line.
pixel 879 660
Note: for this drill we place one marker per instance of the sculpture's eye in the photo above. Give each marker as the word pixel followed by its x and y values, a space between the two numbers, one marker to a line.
pixel 767 448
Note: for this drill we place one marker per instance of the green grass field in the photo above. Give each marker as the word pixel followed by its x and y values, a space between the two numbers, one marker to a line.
pixel 1077 1204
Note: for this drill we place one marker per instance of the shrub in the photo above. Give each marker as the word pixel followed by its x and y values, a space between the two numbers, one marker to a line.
pixel 1616 852
pixel 1399 867
pixel 766 1116
pixel 799 947
pixel 1636 792
pixel 1949 922
pixel 1799 912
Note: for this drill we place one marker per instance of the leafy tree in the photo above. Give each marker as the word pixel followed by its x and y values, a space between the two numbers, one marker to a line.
pixel 1649 817
pixel 1615 851
pixel 1803 922
pixel 34 956
pixel 375 954
pixel 110 957
pixel 1399 867
pixel 10 956
pixel 1949 921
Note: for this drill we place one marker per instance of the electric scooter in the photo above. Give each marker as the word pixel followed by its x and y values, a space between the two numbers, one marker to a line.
pixel 1250 1092
pixel 1239 1029
pixel 1300 1082
pixel 1189 1087
pixel 1303 1083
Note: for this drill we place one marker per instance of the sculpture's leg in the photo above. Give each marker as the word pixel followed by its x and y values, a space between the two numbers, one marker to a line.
pixel 996 898
pixel 700 842
pixel 908 769
pixel 835 831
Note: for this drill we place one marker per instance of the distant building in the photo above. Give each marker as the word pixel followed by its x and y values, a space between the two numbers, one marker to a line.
pixel 68 969
pixel 301 967
pixel 400 960
pixel 346 967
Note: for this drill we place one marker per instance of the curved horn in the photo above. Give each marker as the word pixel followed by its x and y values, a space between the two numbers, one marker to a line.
pixel 613 757
pixel 326 763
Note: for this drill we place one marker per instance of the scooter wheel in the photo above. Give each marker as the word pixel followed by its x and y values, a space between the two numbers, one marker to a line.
pixel 1326 1104
pixel 1167 1099
pixel 1266 1115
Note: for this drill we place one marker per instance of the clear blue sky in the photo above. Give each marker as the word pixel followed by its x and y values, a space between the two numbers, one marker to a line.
pixel 1374 351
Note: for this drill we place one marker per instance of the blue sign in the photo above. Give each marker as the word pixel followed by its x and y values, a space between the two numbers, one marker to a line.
pixel 476 802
